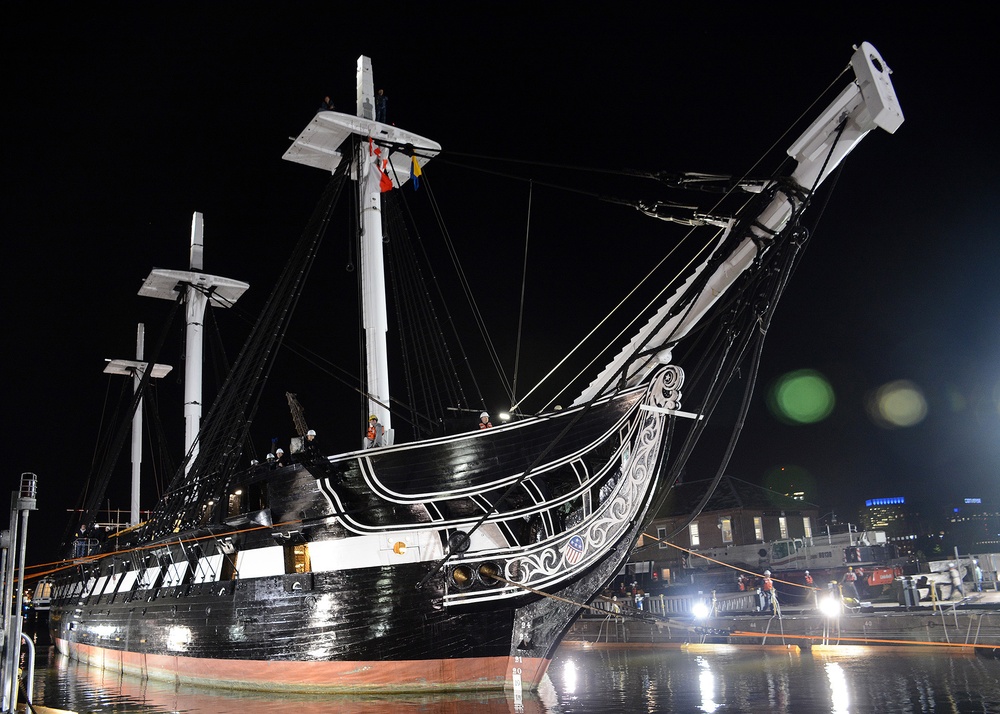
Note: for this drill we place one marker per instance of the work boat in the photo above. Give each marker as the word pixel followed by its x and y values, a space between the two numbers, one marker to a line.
pixel 455 560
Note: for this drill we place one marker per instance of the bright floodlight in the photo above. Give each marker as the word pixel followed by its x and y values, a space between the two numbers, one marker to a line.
pixel 830 606
pixel 504 416
pixel 700 610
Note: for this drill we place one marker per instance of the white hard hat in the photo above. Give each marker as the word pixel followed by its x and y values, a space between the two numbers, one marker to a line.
pixel 767 572
pixel 280 451
pixel 311 432
pixel 270 456
pixel 807 572
pixel 484 414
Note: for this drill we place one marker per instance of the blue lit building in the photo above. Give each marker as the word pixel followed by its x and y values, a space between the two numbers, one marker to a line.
pixel 892 515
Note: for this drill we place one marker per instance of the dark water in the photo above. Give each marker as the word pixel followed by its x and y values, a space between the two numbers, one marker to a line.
pixel 626 680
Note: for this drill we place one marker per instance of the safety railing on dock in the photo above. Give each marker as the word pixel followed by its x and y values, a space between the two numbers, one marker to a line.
pixel 667 605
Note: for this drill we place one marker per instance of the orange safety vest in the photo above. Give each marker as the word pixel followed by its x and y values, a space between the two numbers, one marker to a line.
pixel 768 585
pixel 809 580
pixel 371 432
pixel 485 425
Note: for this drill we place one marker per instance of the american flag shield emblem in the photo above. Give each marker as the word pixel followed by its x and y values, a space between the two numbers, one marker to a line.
pixel 574 550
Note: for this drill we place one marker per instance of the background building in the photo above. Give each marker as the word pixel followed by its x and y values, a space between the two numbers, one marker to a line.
pixel 738 513
pixel 973 526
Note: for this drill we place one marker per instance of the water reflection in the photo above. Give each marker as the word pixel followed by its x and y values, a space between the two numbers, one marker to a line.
pixel 839 697
pixel 594 680
pixel 727 679
pixel 707 684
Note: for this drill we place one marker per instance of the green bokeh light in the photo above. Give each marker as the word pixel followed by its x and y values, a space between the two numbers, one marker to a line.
pixel 802 397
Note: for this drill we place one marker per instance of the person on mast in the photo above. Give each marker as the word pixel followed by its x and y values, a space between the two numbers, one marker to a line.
pixel 375 436
pixel 381 105
pixel 484 421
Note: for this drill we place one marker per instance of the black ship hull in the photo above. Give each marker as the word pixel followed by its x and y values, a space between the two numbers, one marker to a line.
pixel 337 583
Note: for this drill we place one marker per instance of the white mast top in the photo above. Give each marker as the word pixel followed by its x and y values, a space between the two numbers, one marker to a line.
pixel 321 145
pixel 199 290
pixel 135 369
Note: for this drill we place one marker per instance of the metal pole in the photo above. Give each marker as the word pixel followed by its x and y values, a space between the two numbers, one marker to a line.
pixel 4 547
pixel 29 667
pixel 140 338
pixel 23 503
pixel 8 624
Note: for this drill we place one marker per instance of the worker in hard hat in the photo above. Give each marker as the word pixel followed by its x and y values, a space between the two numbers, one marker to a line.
pixel 767 590
pixel 484 421
pixel 309 442
pixel 375 436
pixel 848 584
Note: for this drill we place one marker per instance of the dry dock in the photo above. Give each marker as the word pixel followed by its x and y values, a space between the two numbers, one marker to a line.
pixel 973 622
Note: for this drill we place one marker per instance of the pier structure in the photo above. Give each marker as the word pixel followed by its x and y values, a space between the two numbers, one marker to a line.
pixel 735 618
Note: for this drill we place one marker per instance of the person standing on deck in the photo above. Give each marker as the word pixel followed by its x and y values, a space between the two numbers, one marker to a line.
pixel 381 105
pixel 375 434
pixel 484 421
pixel 977 576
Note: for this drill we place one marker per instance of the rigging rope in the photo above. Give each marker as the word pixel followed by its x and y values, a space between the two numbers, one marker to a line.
pixel 115 445
pixel 524 280
pixel 467 289
pixel 564 167
pixel 226 428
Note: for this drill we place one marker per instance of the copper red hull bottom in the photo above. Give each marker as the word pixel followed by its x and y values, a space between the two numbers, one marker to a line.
pixel 495 673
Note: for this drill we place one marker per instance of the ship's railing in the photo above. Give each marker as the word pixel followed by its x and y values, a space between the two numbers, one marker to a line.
pixel 82 547
pixel 666 605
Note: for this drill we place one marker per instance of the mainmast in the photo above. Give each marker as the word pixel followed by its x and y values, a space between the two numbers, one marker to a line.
pixel 135 369
pixel 199 289
pixel 385 154
pixel 374 311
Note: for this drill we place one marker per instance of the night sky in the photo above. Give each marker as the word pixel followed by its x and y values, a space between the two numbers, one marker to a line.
pixel 121 120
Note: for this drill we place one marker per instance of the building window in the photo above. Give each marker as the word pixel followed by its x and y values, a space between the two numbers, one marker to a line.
pixel 693 533
pixel 758 529
pixel 807 526
pixel 727 529
pixel 783 526
pixel 661 534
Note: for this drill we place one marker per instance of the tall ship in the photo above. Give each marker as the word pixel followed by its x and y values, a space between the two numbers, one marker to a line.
pixel 453 560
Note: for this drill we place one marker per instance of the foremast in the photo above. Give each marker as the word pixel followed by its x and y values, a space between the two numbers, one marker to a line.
pixel 382 155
